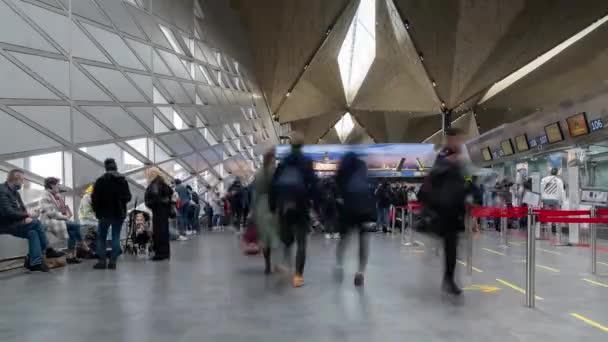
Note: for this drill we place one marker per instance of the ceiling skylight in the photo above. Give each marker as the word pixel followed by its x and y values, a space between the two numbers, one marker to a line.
pixel 344 127
pixel 358 49
pixel 542 59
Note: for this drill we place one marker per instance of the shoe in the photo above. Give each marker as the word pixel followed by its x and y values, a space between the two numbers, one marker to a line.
pixel 100 265
pixel 26 263
pixel 40 268
pixel 298 280
pixel 336 236
pixel 328 236
pixel 112 265
pixel 73 260
pixel 451 288
pixel 159 258
pixel 182 238
pixel 359 279
pixel 51 253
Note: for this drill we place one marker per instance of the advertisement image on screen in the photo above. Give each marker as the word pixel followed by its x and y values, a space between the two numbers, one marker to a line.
pixel 486 154
pixel 383 160
pixel 554 133
pixel 521 142
pixel 507 147
pixel 577 125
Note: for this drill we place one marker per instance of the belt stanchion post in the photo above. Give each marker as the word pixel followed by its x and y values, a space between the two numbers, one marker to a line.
pixel 503 227
pixel 410 235
pixel 393 210
pixel 593 242
pixel 530 261
pixel 402 221
pixel 410 224
pixel 469 229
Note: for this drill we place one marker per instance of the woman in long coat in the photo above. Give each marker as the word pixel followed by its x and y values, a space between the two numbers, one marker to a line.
pixel 158 199
pixel 265 220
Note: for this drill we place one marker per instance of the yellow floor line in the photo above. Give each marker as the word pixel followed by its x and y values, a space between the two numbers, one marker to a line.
pixel 420 243
pixel 589 321
pixel 515 287
pixel 516 243
pixel 474 268
pixel 548 268
pixel 493 251
pixel 595 282
pixel 548 251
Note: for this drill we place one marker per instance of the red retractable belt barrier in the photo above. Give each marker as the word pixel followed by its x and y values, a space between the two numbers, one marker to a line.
pixel 602 212
pixel 561 213
pixel 551 219
pixel 414 206
pixel 496 212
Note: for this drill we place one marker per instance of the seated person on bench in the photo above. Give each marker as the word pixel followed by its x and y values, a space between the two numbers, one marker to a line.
pixel 16 221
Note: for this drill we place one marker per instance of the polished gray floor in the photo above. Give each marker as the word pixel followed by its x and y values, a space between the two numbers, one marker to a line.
pixel 210 292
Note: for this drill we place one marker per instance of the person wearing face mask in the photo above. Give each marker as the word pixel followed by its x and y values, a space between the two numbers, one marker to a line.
pixel 16 221
pixel 56 216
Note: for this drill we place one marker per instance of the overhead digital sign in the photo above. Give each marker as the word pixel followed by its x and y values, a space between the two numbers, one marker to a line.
pixel 507 147
pixel 521 143
pixel 486 154
pixel 577 125
pixel 554 133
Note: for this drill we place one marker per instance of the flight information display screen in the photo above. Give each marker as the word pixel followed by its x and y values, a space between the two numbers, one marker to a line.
pixel 486 154
pixel 521 142
pixel 554 133
pixel 577 125
pixel 507 147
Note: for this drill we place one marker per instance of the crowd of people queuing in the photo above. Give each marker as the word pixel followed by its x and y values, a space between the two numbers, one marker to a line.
pixel 281 197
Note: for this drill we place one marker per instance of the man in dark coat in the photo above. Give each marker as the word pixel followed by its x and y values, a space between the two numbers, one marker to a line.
pixel 109 200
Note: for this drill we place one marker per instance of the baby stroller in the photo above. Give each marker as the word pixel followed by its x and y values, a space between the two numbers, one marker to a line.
pixel 139 233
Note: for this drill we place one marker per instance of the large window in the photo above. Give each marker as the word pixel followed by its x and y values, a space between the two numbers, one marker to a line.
pixel 358 50
pixel 172 40
pixel 344 127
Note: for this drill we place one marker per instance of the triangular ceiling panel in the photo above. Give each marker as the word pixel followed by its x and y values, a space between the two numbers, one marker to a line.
pixel 88 9
pixel 54 118
pixel 397 80
pixel 57 26
pixel 84 89
pixel 26 36
pixel 115 47
pixel 14 130
pixel 145 115
pixel 314 128
pixel 85 170
pixel 116 83
pixel 117 120
pixel 54 71
pixel 21 84
pixel 144 83
pixel 283 46
pixel 86 130
pixel 478 43
pixel 120 17
pixel 82 47
pixel 143 51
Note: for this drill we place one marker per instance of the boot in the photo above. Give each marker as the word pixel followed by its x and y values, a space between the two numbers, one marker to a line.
pixel 450 287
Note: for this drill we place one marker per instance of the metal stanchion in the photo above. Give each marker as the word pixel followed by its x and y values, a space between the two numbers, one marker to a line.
pixel 530 261
pixel 410 236
pixel 410 223
pixel 503 229
pixel 468 220
pixel 593 243
pixel 392 209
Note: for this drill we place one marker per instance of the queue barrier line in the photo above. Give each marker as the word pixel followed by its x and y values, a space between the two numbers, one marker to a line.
pixel 516 288
pixel 595 282
pixel 465 264
pixel 493 251
pixel 590 322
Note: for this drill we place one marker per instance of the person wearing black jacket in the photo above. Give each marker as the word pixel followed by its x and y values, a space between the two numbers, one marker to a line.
pixel 16 221
pixel 109 201
pixel 158 198
pixel 383 203
pixel 292 191
pixel 357 209
pixel 444 193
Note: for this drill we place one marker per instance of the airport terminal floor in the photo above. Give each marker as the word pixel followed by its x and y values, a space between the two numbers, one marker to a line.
pixel 210 291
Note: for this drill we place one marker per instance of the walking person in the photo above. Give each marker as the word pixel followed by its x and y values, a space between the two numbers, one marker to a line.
pixel 183 209
pixel 158 199
pixel 265 220
pixel 56 216
pixel 445 195
pixel 383 203
pixel 356 209
pixel 109 201
pixel 293 190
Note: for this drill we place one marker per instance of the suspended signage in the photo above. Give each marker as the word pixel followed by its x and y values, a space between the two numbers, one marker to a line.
pixel 543 140
pixel 577 125
pixel 521 142
pixel 596 124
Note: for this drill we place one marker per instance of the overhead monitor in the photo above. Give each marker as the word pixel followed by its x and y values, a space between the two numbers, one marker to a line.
pixel 507 147
pixel 577 125
pixel 521 143
pixel 554 133
pixel 486 154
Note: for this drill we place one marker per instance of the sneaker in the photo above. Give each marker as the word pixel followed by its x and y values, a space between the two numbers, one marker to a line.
pixel 112 265
pixel 328 236
pixel 51 253
pixel 359 279
pixel 298 280
pixel 182 238
pixel 336 236
pixel 159 258
pixel 73 260
pixel 100 265
pixel 39 268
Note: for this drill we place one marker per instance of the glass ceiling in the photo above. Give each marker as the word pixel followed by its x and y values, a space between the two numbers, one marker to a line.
pixel 344 127
pixel 358 50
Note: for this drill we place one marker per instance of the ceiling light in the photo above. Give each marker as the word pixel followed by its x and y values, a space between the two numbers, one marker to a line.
pixel 407 25
pixel 421 57
pixel 306 67
pixel 442 104
pixel 288 94
pixel 434 84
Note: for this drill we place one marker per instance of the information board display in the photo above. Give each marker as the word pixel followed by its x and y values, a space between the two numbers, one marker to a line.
pixel 521 143
pixel 486 154
pixel 554 133
pixel 596 124
pixel 507 147
pixel 577 125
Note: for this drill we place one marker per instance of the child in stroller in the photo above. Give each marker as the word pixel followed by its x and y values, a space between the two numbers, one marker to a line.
pixel 139 237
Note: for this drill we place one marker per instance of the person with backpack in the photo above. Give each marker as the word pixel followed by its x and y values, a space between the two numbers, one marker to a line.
pixel 293 189
pixel 356 209
pixel 444 194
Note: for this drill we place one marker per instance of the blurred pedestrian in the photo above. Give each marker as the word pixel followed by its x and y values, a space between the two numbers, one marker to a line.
pixel 293 190
pixel 266 221
pixel 356 209
pixel 158 199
